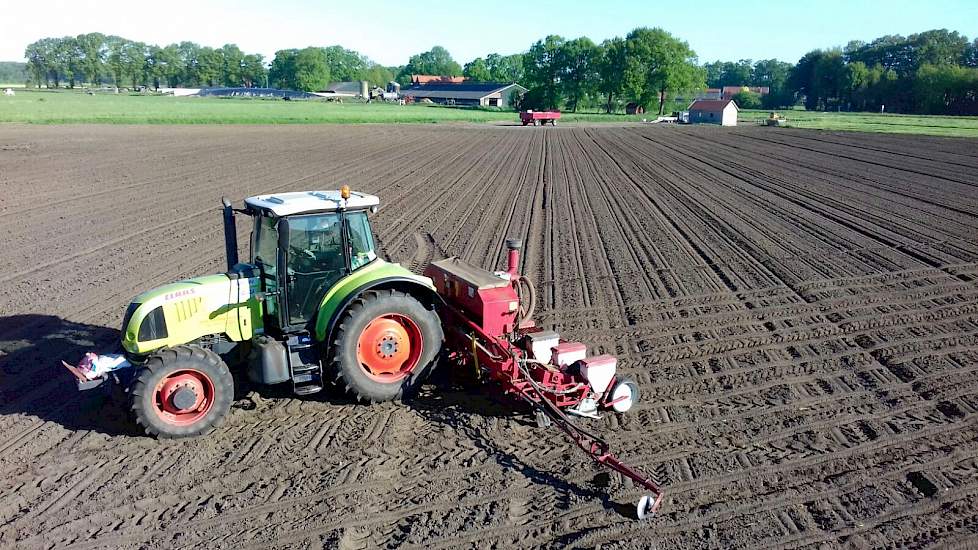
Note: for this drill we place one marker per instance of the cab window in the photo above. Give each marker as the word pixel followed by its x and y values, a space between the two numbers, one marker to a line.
pixel 361 240
pixel 264 252
pixel 265 247
pixel 315 262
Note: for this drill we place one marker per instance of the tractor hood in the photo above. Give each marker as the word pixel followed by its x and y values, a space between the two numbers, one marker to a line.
pixel 181 312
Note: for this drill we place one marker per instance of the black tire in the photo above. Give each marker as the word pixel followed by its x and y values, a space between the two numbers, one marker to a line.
pixel 346 367
pixel 163 364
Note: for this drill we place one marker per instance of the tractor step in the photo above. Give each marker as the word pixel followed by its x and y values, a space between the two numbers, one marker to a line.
pixel 304 365
pixel 307 389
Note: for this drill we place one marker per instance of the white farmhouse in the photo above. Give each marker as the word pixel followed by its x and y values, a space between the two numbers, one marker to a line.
pixel 713 111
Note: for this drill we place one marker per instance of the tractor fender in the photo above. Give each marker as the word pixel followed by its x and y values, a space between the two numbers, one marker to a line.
pixel 386 277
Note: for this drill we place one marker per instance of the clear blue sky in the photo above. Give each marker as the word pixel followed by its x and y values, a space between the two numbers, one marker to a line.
pixel 389 32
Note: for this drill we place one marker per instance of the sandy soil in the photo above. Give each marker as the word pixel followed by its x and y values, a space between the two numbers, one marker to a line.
pixel 799 308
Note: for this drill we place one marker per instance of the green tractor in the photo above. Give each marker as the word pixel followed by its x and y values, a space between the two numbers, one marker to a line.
pixel 313 304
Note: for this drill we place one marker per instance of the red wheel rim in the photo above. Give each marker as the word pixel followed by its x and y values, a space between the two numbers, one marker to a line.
pixel 389 347
pixel 184 397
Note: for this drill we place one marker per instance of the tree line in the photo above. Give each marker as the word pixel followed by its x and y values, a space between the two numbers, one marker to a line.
pixel 932 72
pixel 98 59
pixel 312 69
pixel 12 72
pixel 647 66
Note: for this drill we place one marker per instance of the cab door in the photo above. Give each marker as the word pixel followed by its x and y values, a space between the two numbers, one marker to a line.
pixel 316 257
pixel 265 255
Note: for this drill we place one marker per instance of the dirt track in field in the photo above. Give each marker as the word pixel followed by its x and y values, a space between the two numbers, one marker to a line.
pixel 799 308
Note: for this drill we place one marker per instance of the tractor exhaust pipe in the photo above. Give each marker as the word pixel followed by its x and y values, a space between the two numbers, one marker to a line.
pixel 513 260
pixel 230 234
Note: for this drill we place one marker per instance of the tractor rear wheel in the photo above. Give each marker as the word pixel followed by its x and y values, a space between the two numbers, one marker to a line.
pixel 182 392
pixel 386 345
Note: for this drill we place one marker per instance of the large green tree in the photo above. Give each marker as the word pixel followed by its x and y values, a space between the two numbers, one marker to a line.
pixel 477 70
pixel 938 47
pixel 252 70
pixel 823 78
pixel 505 68
pixel 728 73
pixel 39 58
pixel 612 67
pixel 164 65
pixel 311 70
pixel 436 61
pixel 281 73
pixel 231 58
pixel 578 60
pixel 379 75
pixel 92 50
pixel 542 71
pixel 660 64
pixel 190 71
pixel 773 74
pixel 946 89
pixel 346 65
pixel 210 66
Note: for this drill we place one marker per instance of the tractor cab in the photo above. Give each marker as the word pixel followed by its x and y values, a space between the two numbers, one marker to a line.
pixel 303 243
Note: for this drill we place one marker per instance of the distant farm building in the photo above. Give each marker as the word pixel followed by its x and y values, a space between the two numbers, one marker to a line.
pixel 353 88
pixel 176 92
pixel 485 94
pixel 634 109
pixel 709 93
pixel 419 79
pixel 713 111
pixel 255 92
pixel 729 91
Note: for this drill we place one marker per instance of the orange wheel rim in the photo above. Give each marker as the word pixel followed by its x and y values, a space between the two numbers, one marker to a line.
pixel 183 397
pixel 389 347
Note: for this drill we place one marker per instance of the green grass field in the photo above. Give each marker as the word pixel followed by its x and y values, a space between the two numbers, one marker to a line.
pixel 42 107
pixel 61 107
pixel 873 122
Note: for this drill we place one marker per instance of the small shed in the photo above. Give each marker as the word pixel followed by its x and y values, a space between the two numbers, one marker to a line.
pixel 713 111
pixel 634 109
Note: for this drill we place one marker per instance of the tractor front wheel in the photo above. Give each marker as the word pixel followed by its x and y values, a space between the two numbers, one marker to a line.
pixel 182 392
pixel 386 345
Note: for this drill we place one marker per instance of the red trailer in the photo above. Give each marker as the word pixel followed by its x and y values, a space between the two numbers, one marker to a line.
pixel 539 117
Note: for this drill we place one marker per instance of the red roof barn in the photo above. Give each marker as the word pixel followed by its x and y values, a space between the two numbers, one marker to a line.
pixel 714 111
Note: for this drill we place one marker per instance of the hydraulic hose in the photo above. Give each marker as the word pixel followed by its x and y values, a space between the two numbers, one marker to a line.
pixel 527 295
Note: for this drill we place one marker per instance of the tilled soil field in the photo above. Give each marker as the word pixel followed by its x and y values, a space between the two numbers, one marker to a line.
pixel 799 308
